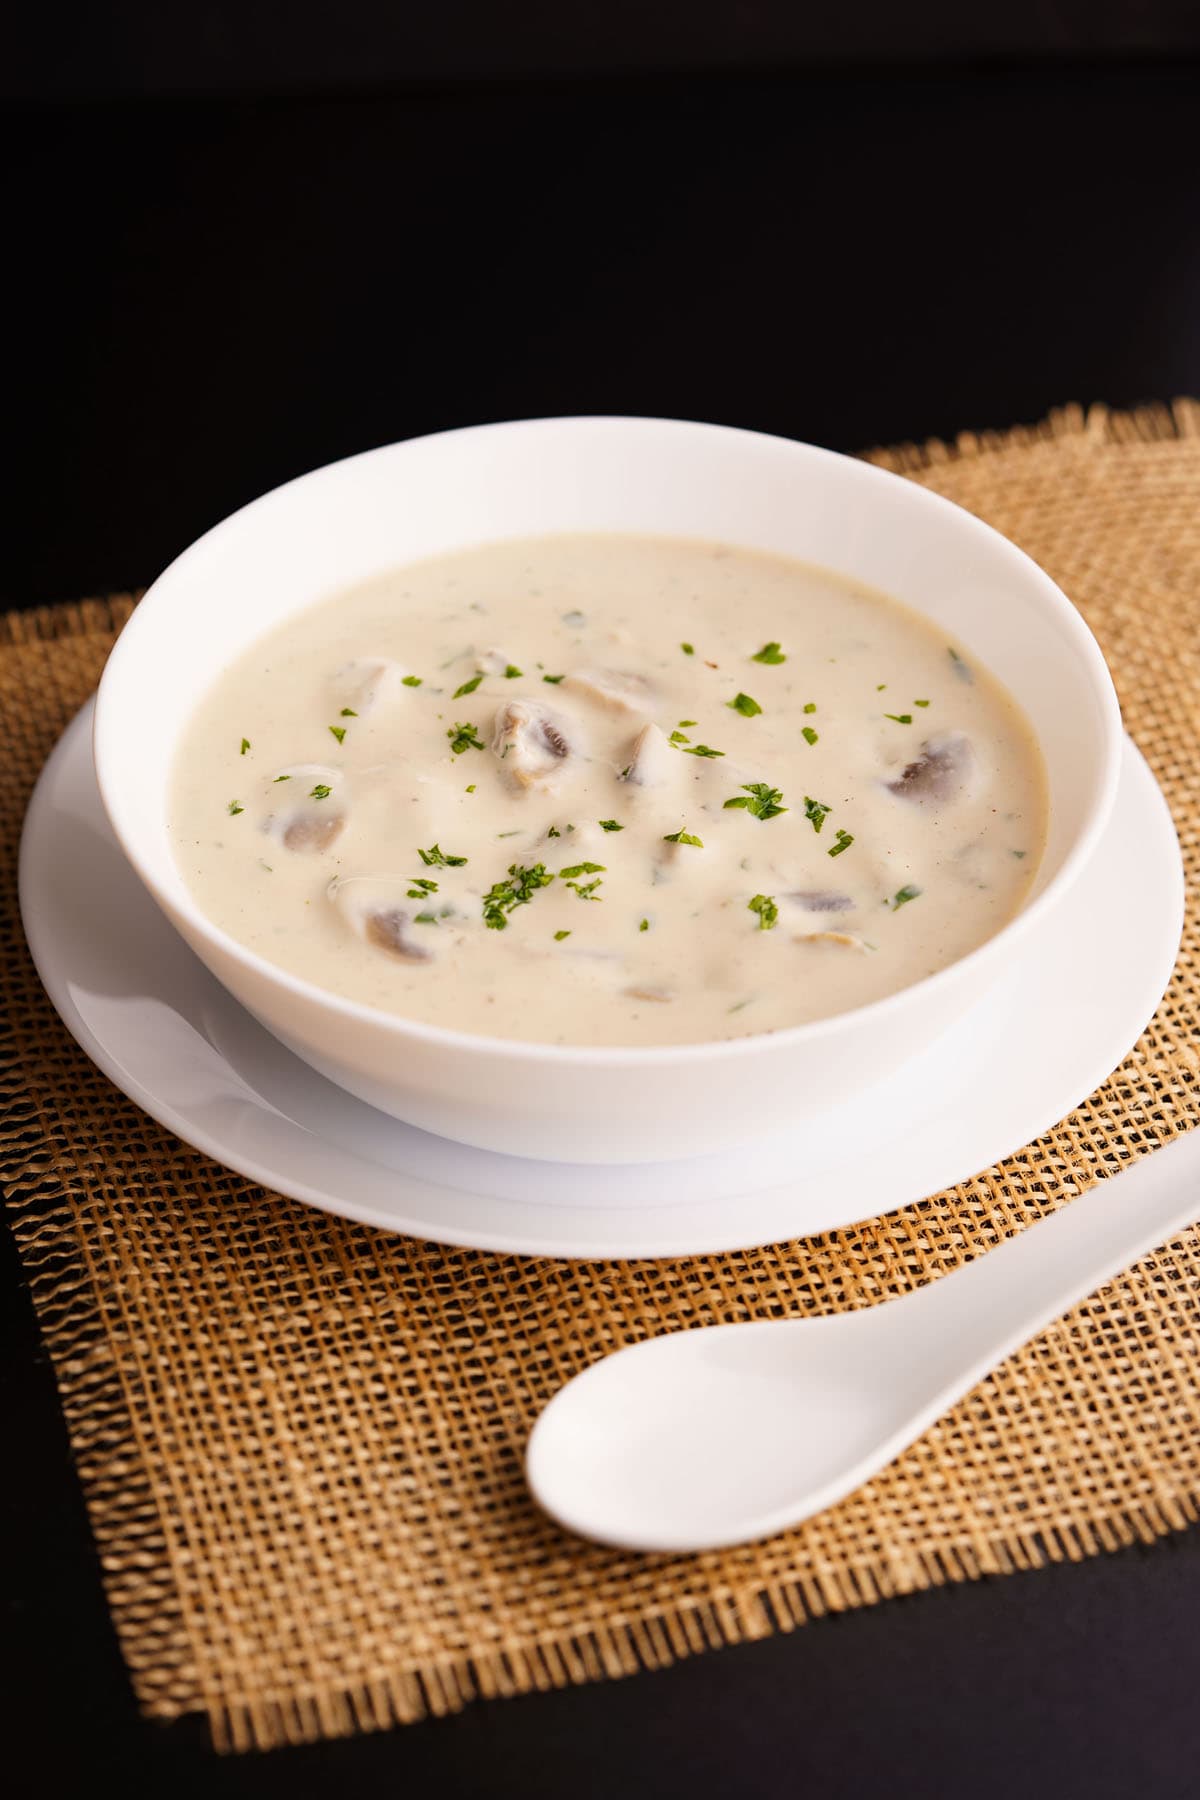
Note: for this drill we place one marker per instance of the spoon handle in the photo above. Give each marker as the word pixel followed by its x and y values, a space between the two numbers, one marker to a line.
pixel 1003 1298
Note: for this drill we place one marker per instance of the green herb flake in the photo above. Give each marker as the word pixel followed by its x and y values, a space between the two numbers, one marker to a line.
pixel 554 679
pixel 320 792
pixel 470 790
pixel 468 687
pixel 426 918
pixel 920 703
pixel 683 837
pixel 645 925
pixel 560 935
pixel 770 653
pixel 421 888
pixel 684 723
pixel 816 811
pixel 677 737
pixel 436 858
pixel 742 703
pixel 410 680
pixel 765 907
pixel 811 707
pixel 844 839
pixel 512 671
pixel 245 746
pixel 1019 854
pixel 961 669
pixel 347 712
pixel 280 778
pixel 763 801
pixel 586 890
pixel 879 687
pixel 701 750
pixel 900 718
pixel 339 732
pixel 808 734
pixel 584 868
pixel 688 649
pixel 235 807
pixel 903 895
pixel 517 890
pixel 463 737
pixel 610 825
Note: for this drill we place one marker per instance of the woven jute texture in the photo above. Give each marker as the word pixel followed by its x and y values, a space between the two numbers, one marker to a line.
pixel 301 1440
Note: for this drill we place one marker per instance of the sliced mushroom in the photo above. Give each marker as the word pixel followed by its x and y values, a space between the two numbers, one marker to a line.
pixel 370 905
pixel 531 741
pixel 310 811
pixel 942 771
pixel 820 900
pixel 617 689
pixel 649 762
pixel 367 682
pixel 845 940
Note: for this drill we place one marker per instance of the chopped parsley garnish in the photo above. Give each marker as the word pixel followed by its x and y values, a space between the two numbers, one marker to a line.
pixel 588 868
pixel 468 687
pixel 767 911
pixel 410 681
pixel 843 841
pixel 421 887
pixel 808 734
pixel 470 790
pixel 587 889
pixel 339 732
pixel 435 858
pixel 811 706
pixel 512 671
pixel 645 925
pixel 770 653
pixel 245 746
pixel 424 918
pixel 900 718
pixel 553 679
pixel 742 703
pixel 920 703
pixel 320 792
pixel 280 778
pixel 677 737
pixel 518 890
pixel 683 837
pixel 463 737
pixel 684 723
pixel 879 687
pixel 554 832
pixel 1019 854
pixel 348 712
pixel 560 935
pixel 816 811
pixel 688 649
pixel 903 895
pixel 235 807
pixel 700 750
pixel 610 825
pixel 762 801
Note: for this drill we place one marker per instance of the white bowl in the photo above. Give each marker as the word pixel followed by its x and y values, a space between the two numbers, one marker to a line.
pixel 346 523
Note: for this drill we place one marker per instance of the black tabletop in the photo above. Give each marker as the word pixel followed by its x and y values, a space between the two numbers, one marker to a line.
pixel 215 294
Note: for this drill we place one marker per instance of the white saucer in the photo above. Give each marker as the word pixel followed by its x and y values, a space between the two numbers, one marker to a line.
pixel 159 1025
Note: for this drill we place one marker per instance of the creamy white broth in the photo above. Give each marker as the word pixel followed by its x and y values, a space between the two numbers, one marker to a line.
pixel 559 896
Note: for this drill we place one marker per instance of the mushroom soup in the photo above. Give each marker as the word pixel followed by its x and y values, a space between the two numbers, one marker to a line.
pixel 607 789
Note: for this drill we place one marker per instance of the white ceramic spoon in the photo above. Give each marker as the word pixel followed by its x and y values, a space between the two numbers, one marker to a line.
pixel 706 1438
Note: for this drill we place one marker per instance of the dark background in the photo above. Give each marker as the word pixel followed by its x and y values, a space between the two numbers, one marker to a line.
pixel 244 239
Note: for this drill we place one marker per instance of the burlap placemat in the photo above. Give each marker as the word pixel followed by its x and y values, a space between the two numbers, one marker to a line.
pixel 301 1440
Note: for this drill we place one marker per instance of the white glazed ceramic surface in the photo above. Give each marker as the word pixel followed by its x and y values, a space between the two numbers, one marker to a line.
pixel 173 1039
pixel 358 518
